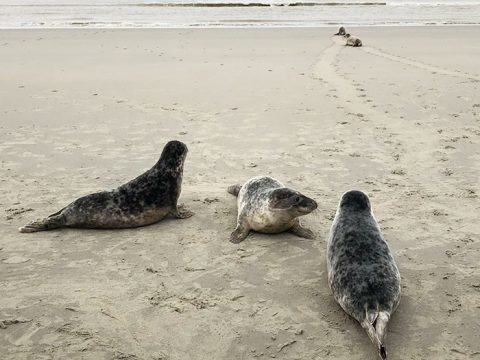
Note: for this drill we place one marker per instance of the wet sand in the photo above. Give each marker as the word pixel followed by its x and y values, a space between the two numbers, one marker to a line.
pixel 86 110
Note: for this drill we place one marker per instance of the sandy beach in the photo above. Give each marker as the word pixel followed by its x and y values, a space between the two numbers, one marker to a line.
pixel 87 110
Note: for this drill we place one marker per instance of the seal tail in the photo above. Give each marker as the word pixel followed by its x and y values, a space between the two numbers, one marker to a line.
pixel 52 222
pixel 234 189
pixel 375 324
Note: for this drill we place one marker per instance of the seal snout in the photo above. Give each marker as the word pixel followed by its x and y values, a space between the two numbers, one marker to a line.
pixel 307 205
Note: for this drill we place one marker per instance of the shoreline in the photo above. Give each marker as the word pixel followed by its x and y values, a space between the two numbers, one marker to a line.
pixel 236 15
pixel 194 27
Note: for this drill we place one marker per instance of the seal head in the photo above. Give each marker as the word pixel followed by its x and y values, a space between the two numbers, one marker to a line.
pixel 173 156
pixel 341 31
pixel 355 200
pixel 292 201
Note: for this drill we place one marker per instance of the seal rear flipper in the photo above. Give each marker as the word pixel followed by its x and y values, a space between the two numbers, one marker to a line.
pixel 383 352
pixel 375 324
pixel 372 316
pixel 381 330
pixel 234 189
pixel 52 222
pixel 369 328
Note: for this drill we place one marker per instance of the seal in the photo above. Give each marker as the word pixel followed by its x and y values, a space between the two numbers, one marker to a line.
pixel 144 200
pixel 341 31
pixel 362 273
pixel 266 205
pixel 352 41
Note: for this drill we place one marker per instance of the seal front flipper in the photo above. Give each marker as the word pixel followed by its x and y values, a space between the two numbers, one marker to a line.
pixel 241 232
pixel 182 213
pixel 302 232
pixel 52 222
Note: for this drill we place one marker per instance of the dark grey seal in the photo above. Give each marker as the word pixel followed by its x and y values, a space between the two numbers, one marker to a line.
pixel 352 41
pixel 265 205
pixel 362 273
pixel 341 31
pixel 144 200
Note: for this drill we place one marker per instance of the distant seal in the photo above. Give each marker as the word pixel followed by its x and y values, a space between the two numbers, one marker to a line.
pixel 266 205
pixel 144 200
pixel 341 31
pixel 353 41
pixel 362 273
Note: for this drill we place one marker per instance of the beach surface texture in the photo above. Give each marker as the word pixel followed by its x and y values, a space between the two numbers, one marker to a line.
pixel 87 110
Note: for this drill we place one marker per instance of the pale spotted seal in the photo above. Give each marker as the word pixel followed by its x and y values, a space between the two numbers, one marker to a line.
pixel 265 205
pixel 353 41
pixel 362 273
pixel 341 31
pixel 144 200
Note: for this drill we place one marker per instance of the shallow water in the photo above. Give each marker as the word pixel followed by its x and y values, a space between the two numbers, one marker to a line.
pixel 233 13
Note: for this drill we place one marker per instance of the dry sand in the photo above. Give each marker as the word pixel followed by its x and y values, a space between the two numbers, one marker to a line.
pixel 83 111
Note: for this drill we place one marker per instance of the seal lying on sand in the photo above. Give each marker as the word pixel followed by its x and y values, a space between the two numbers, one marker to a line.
pixel 142 201
pixel 266 205
pixel 353 41
pixel 341 31
pixel 362 273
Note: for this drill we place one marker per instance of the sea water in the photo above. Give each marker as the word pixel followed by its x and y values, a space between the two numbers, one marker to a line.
pixel 233 13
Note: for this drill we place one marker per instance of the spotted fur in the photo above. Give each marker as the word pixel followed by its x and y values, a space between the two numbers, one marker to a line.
pixel 142 201
pixel 362 273
pixel 353 41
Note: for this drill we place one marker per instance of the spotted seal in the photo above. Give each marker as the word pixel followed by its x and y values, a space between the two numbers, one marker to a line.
pixel 266 205
pixel 341 31
pixel 352 41
pixel 144 200
pixel 362 273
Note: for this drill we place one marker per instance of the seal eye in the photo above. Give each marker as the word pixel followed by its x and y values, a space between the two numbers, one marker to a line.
pixel 297 199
